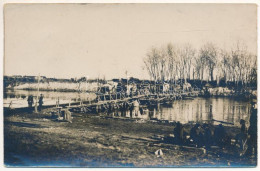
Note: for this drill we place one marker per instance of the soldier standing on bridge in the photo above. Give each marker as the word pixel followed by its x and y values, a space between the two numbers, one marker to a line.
pixel 136 107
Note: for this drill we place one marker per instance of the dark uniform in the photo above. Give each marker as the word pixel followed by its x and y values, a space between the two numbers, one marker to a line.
pixel 219 135
pixel 178 133
pixel 194 134
pixel 252 132
pixel 40 102
pixel 30 101
pixel 207 136
pixel 242 136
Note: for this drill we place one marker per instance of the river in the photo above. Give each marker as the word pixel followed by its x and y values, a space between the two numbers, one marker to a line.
pixel 198 109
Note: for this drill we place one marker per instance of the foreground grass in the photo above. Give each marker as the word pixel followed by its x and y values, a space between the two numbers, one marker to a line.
pixel 93 141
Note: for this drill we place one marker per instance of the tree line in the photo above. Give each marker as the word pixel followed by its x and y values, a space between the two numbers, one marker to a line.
pixel 210 63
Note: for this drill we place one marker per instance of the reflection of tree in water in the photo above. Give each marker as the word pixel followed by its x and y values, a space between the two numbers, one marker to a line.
pixel 163 114
pixel 158 113
pixel 210 115
pixel 208 112
pixel 198 110
pixel 153 112
pixel 170 117
pixel 190 111
pixel 224 107
pixel 181 113
pixel 233 114
pixel 231 117
pixel 197 113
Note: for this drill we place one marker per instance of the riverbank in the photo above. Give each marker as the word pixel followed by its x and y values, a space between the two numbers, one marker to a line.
pixel 18 98
pixel 225 92
pixel 93 141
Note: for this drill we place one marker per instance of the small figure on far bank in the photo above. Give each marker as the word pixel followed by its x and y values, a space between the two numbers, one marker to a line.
pixel 30 101
pixel 40 102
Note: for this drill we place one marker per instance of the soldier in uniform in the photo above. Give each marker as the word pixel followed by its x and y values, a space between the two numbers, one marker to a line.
pixel 30 101
pixel 40 102
pixel 252 132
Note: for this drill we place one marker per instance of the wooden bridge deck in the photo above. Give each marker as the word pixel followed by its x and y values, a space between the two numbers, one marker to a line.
pixel 148 97
pixel 103 100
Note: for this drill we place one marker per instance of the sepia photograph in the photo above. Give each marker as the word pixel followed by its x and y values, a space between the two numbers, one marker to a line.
pixel 130 85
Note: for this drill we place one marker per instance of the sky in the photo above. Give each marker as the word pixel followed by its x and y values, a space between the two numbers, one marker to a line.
pixel 106 40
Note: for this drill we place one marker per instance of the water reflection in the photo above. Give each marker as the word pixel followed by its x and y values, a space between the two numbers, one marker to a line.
pixel 196 110
pixel 190 110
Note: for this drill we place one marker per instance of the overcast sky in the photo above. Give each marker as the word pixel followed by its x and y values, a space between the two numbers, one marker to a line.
pixel 73 40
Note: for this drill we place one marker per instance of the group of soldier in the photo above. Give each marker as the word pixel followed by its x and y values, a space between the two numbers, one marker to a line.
pixel 133 107
pixel 30 101
pixel 206 136
pixel 200 135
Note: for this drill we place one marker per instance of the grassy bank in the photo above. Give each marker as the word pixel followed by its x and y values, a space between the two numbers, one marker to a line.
pixel 93 141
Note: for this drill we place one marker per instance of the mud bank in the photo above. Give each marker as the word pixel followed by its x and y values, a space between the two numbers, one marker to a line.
pixel 94 141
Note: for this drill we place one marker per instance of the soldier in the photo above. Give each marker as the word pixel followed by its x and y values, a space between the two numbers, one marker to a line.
pixel 242 136
pixel 194 134
pixel 219 135
pixel 178 133
pixel 67 116
pixel 136 108
pixel 207 136
pixel 243 126
pixel 252 132
pixel 40 102
pixel 30 101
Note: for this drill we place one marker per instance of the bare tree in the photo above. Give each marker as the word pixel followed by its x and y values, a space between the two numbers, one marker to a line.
pixel 187 55
pixel 172 63
pixel 208 53
pixel 199 67
pixel 224 65
pixel 151 62
pixel 171 56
